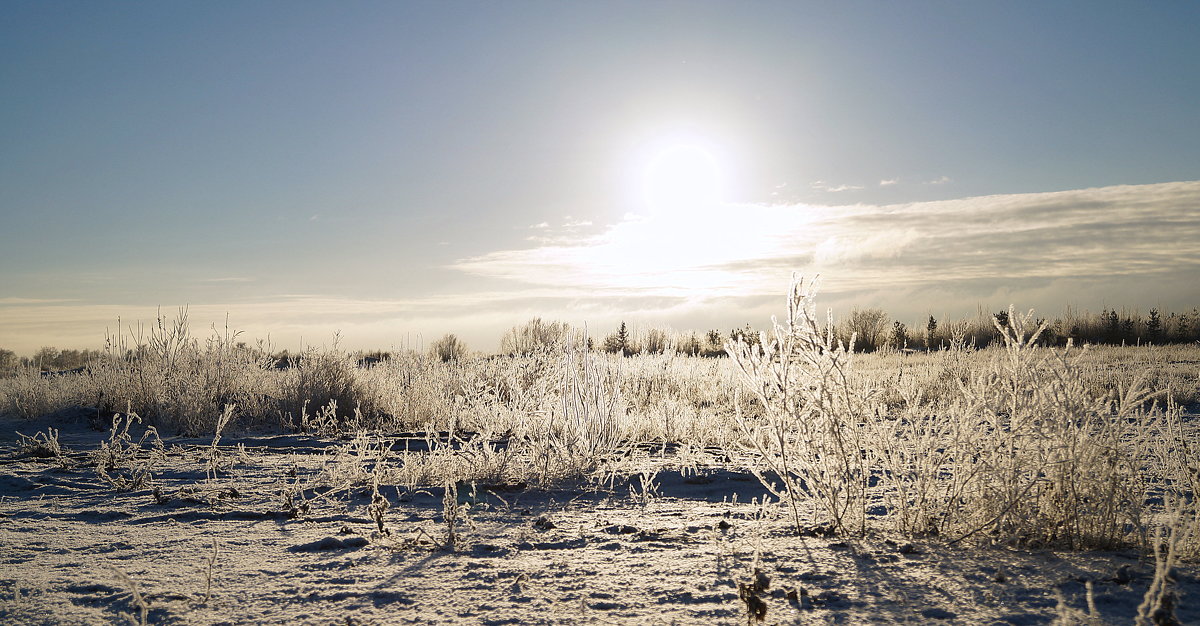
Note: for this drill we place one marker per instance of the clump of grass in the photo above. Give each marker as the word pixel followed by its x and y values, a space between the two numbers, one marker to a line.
pixel 213 457
pixel 124 463
pixel 809 436
pixel 210 565
pixel 43 445
pixel 1171 540
pixel 452 515
pixel 30 393
pixel 139 600
pixel 584 429
pixel 1021 450
pixel 324 382
pixel 1038 458
pixel 176 381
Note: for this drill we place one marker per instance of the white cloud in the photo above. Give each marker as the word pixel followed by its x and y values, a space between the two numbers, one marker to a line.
pixel 879 245
pixel 1125 235
pixel 888 182
pixel 940 180
pixel 823 186
pixel 1122 246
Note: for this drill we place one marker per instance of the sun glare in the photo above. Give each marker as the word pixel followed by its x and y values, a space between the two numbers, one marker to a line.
pixel 683 205
pixel 682 180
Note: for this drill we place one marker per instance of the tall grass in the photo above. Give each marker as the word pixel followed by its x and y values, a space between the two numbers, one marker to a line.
pixel 1020 449
pixel 1018 443
pixel 809 436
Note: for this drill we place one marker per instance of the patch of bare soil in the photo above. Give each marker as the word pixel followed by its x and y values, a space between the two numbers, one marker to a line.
pixel 232 548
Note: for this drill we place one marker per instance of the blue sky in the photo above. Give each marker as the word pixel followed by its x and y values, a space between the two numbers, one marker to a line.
pixel 391 169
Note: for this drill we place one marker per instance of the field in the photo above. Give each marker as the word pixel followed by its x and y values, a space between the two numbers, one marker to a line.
pixel 189 481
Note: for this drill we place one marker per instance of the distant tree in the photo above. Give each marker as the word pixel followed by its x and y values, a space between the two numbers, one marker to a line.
pixel 654 341
pixel 1112 323
pixel 618 342
pixel 714 344
pixel 689 345
pixel 1154 326
pixel 746 334
pixel 1049 336
pixel 44 358
pixel 534 336
pixel 8 363
pixel 930 332
pixel 1001 318
pixel 869 328
pixel 1188 327
pixel 898 338
pixel 1127 328
pixel 448 348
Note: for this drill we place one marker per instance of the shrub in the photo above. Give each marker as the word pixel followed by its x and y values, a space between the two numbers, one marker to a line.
pixel 1021 450
pixel 323 384
pixel 534 336
pixel 654 341
pixel 867 327
pixel 809 436
pixel 448 348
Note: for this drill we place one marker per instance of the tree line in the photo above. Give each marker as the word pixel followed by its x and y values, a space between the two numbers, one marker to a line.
pixel 872 329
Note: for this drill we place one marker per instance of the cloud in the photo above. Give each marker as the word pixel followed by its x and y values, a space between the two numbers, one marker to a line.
pixel 1092 243
pixel 940 180
pixel 1114 246
pixel 880 245
pixel 567 230
pixel 822 186
pixel 888 182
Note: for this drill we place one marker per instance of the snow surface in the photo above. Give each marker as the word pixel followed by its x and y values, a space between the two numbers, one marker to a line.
pixel 76 551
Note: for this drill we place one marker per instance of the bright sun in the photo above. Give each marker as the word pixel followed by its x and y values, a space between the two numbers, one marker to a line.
pixel 682 180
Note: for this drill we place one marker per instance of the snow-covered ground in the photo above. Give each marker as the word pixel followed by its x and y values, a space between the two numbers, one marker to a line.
pixel 231 548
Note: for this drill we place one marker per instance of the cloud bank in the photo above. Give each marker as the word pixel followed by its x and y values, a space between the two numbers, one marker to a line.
pixel 1121 244
pixel 1124 246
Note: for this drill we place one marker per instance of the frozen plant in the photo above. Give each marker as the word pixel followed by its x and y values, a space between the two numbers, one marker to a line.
pixel 808 436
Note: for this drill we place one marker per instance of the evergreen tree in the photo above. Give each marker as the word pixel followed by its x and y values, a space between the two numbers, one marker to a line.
pixel 1154 326
pixel 899 336
pixel 1113 325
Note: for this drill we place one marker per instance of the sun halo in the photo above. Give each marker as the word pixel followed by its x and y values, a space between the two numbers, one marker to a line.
pixel 683 181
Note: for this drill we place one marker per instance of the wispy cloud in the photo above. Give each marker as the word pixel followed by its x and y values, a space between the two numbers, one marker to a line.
pixel 1119 237
pixel 887 182
pixel 940 180
pixel 569 228
pixel 1124 246
pixel 820 185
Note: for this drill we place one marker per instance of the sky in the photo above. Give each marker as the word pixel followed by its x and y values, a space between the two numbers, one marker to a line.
pixel 383 173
